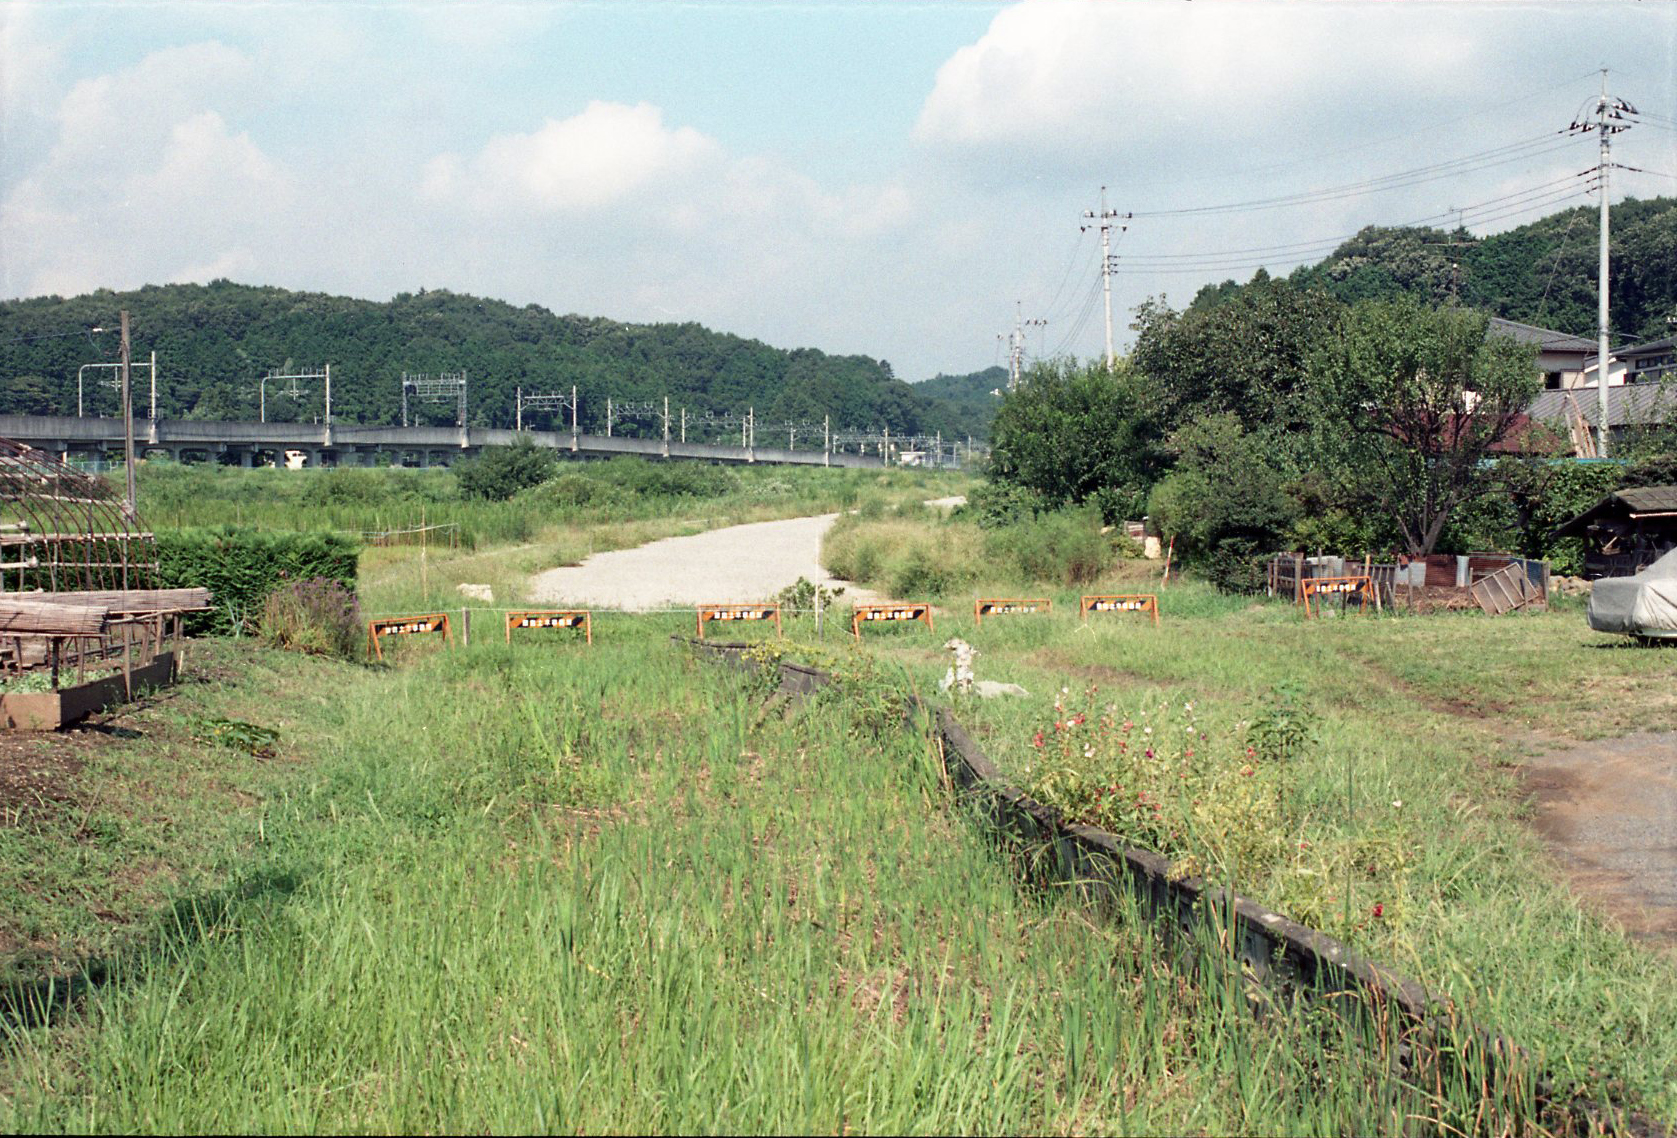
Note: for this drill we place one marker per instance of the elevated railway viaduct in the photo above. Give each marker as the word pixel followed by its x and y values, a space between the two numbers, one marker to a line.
pixel 250 444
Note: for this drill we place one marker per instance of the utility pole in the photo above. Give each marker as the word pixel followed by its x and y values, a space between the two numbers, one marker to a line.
pixel 154 387
pixel 1016 344
pixel 1105 219
pixel 666 426
pixel 1609 120
pixel 518 413
pixel 127 414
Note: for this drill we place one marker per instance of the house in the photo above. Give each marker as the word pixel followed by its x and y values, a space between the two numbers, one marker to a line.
pixel 1637 389
pixel 1626 531
pixel 1560 357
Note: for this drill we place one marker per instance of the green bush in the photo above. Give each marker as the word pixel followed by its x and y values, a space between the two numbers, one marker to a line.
pixel 240 567
pixel 500 472
pixel 1064 547
pixel 574 490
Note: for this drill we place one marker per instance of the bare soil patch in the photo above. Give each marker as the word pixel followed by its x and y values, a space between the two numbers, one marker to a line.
pixel 1609 810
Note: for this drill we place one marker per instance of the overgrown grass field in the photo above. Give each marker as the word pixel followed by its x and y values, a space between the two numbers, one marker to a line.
pixel 1361 773
pixel 548 887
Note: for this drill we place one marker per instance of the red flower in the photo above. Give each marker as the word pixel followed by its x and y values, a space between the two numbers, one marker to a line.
pixel 1036 740
pixel 1379 909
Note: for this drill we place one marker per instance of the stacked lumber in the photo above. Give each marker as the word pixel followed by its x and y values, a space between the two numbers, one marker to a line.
pixel 130 602
pixel 43 618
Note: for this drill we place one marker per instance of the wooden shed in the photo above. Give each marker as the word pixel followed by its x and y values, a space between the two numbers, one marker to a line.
pixel 1626 531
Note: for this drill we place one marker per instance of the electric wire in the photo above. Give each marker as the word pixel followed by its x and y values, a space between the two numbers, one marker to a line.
pixel 1526 149
pixel 1543 203
pixel 1329 244
pixel 1426 129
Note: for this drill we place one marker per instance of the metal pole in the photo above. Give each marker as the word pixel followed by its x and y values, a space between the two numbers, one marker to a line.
pixel 826 443
pixel 154 386
pixel 127 413
pixel 573 419
pixel 608 416
pixel 79 372
pixel 518 415
pixel 262 402
pixel 684 424
pixel 1601 279
pixel 328 395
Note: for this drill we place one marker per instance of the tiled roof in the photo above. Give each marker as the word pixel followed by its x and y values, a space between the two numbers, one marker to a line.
pixel 1547 339
pixel 1630 403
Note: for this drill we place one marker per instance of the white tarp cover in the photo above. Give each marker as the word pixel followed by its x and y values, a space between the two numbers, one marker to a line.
pixel 1643 605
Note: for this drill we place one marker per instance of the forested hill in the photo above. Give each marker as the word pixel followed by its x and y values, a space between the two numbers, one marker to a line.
pixel 970 399
pixel 1543 273
pixel 214 342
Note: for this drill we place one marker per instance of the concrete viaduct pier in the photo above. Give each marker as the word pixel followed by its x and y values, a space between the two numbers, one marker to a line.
pixel 250 444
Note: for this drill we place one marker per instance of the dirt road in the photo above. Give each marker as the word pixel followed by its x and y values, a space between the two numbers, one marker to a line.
pixel 1607 808
pixel 737 564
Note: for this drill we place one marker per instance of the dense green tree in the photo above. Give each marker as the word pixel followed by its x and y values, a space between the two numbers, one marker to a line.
pixel 970 400
pixel 1225 502
pixel 1075 433
pixel 1246 356
pixel 1542 273
pixel 214 343
pixel 500 472
pixel 1410 401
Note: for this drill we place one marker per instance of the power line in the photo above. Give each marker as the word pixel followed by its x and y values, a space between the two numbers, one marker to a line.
pixel 1496 156
pixel 1473 210
pixel 1234 259
pixel 1316 159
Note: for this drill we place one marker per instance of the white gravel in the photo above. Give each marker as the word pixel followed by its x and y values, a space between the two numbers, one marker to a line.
pixel 738 564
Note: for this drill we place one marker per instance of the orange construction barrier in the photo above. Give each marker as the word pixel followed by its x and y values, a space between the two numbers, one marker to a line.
pixel 552 618
pixel 765 611
pixel 1331 586
pixel 996 606
pixel 377 630
pixel 1120 602
pixel 910 611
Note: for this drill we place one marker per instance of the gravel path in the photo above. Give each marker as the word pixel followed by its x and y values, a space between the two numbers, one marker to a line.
pixel 737 564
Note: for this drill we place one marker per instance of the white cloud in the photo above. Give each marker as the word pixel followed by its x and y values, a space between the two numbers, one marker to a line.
pixel 142 178
pixel 1091 85
pixel 592 159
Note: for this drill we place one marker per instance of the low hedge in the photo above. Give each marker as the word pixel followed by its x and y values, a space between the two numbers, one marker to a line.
pixel 241 566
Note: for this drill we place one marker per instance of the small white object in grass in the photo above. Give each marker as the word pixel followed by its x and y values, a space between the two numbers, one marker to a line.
pixel 477 592
pixel 959 677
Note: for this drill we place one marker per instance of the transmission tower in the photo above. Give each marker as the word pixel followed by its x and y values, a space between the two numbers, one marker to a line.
pixel 1109 263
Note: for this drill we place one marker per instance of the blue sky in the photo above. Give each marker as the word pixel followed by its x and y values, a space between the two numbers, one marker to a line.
pixel 885 179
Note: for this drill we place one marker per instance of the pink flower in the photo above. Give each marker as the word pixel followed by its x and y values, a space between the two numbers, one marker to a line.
pixel 1245 772
pixel 1379 909
pixel 1036 740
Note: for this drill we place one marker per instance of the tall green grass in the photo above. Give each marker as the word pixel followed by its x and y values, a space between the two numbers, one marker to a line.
pixel 553 888
pixel 1407 796
pixel 607 492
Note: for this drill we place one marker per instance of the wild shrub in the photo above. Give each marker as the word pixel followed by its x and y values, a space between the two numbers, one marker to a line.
pixel 318 616
pixel 574 490
pixel 1065 547
pixel 500 472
